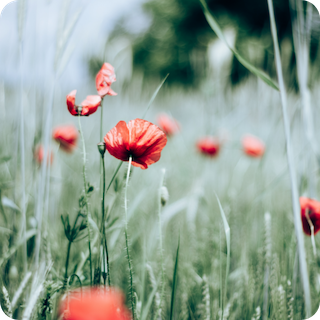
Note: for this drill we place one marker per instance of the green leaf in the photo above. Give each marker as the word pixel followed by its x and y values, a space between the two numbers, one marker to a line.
pixel 6 202
pixel 216 28
pixel 174 282
pixel 227 233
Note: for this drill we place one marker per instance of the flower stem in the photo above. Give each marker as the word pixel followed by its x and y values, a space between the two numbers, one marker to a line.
pixel 67 263
pixel 103 230
pixel 85 194
pixel 126 235
pixel 161 246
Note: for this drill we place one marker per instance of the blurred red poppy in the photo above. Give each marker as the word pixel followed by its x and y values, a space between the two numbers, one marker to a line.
pixel 168 125
pixel 39 153
pixel 310 214
pixel 67 136
pixel 209 146
pixel 140 139
pixel 94 304
pixel 88 106
pixel 105 77
pixel 253 146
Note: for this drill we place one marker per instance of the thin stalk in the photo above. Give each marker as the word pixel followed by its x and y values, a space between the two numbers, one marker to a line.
pixel 67 262
pixel 126 235
pixel 114 175
pixel 103 229
pixel 160 240
pixel 23 182
pixel 294 188
pixel 85 193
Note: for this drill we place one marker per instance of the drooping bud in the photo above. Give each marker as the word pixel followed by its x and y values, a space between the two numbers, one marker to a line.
pixel 102 148
pixel 164 195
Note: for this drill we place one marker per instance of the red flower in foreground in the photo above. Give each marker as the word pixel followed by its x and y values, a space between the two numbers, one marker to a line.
pixel 140 139
pixel 67 136
pixel 39 154
pixel 253 146
pixel 104 78
pixel 310 213
pixel 209 146
pixel 94 304
pixel 88 106
pixel 168 125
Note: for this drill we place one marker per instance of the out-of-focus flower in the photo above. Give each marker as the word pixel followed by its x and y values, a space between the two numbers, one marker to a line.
pixel 104 78
pixel 168 125
pixel 310 215
pixel 39 154
pixel 253 146
pixel 140 139
pixel 209 146
pixel 94 304
pixel 66 136
pixel 87 107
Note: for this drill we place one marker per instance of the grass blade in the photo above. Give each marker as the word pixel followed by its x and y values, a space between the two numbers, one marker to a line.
pixel 29 234
pixel 215 27
pixel 20 289
pixel 294 188
pixel 154 96
pixel 174 282
pixel 227 233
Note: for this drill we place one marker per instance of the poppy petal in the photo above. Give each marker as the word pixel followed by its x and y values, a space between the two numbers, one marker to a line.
pixel 146 141
pixel 71 98
pixel 117 141
pixel 90 105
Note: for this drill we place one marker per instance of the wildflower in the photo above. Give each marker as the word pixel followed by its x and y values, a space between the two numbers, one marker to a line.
pixel 140 139
pixel 310 215
pixel 105 77
pixel 67 136
pixel 39 153
pixel 87 107
pixel 94 304
pixel 209 146
pixel 169 126
pixel 253 146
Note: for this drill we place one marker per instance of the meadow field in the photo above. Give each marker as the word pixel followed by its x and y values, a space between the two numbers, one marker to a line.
pixel 197 234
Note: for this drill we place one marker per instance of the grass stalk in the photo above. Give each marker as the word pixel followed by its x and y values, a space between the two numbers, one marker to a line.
pixel 161 245
pixel 293 180
pixel 85 194
pixel 126 236
pixel 23 176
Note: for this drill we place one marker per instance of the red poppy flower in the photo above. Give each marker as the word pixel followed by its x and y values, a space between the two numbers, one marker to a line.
pixel 253 146
pixel 94 304
pixel 67 136
pixel 39 153
pixel 105 77
pixel 209 146
pixel 310 210
pixel 140 139
pixel 88 106
pixel 169 126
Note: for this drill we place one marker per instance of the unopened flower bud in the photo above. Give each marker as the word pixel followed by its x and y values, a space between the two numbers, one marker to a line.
pixel 13 273
pixel 102 148
pixel 164 195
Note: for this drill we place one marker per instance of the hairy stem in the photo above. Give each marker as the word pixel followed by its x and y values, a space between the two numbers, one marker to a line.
pixel 126 235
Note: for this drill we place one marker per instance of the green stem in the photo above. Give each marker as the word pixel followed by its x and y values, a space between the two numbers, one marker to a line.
pixel 67 262
pixel 161 246
pixel 126 235
pixel 85 194
pixel 114 175
pixel 103 230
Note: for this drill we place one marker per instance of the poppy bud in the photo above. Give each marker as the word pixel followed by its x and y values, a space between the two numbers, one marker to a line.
pixel 102 148
pixel 164 195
